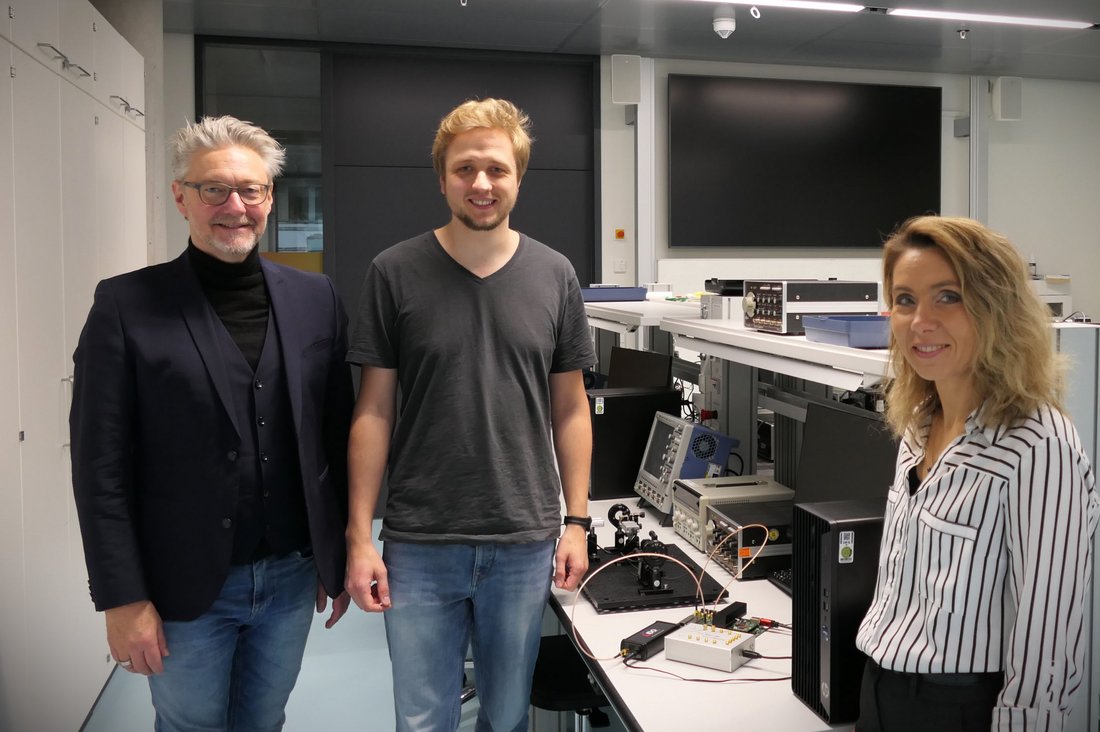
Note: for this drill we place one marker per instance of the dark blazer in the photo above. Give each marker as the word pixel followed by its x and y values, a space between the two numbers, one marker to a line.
pixel 154 440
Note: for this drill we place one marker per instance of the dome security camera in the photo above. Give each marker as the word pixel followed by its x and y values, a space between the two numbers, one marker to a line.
pixel 724 27
pixel 724 20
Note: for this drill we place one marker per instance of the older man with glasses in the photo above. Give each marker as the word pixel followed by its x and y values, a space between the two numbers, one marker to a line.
pixel 209 435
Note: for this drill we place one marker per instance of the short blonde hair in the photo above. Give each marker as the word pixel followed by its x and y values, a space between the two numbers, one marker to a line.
pixel 497 114
pixel 215 133
pixel 1016 369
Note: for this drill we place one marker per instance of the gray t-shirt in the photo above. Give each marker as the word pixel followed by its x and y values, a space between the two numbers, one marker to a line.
pixel 471 459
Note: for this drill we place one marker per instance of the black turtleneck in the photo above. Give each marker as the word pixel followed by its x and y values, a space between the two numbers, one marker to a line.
pixel 239 296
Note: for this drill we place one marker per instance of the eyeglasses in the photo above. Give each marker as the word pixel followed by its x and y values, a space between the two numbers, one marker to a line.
pixel 213 193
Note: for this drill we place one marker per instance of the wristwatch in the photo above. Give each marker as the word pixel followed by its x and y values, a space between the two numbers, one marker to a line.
pixel 584 522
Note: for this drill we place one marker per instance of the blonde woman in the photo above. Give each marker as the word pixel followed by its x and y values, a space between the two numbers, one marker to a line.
pixel 977 620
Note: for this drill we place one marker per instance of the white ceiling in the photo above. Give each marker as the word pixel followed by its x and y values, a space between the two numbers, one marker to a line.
pixel 678 29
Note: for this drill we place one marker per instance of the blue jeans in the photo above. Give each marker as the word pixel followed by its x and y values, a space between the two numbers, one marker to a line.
pixel 233 667
pixel 450 597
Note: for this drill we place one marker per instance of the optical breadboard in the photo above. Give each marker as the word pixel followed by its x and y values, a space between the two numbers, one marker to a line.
pixel 736 537
pixel 679 449
pixel 617 589
pixel 721 649
pixel 777 306
pixel 692 497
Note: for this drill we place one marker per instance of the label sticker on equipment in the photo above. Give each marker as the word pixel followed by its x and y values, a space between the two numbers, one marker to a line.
pixel 846 547
pixel 599 405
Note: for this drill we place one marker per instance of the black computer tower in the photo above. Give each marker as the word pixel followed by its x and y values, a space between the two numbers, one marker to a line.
pixel 621 422
pixel 834 562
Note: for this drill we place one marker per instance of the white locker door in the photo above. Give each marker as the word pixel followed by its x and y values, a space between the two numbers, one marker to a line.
pixel 88 664
pixel 134 243
pixel 13 607
pixel 107 51
pixel 110 176
pixel 75 35
pixel 79 219
pixel 34 22
pixel 40 273
pixel 132 77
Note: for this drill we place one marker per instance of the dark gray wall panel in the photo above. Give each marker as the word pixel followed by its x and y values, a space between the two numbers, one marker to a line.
pixel 555 207
pixel 387 108
pixel 382 109
pixel 378 207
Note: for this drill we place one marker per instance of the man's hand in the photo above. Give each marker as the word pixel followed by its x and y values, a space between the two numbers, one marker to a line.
pixel 339 605
pixel 571 561
pixel 135 636
pixel 366 578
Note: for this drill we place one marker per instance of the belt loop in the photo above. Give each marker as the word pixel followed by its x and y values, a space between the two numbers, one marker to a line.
pixel 914 683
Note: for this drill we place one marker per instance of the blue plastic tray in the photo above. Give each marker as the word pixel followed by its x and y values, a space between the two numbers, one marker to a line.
pixel 856 331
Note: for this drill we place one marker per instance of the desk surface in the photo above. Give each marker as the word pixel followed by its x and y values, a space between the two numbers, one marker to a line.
pixel 793 355
pixel 641 312
pixel 649 701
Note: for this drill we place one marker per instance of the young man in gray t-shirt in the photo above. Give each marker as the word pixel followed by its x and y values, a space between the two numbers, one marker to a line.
pixel 484 331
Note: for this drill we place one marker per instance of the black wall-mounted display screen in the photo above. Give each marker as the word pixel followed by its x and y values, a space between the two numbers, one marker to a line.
pixel 779 162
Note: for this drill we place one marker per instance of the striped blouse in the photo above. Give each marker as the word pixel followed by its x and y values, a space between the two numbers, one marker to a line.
pixel 986 567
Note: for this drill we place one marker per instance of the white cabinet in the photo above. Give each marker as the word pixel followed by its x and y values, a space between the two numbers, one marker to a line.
pixel 135 244
pixel 57 33
pixel 109 176
pixel 79 209
pixel 46 493
pixel 76 41
pixel 72 211
pixel 107 52
pixel 35 22
pixel 13 608
pixel 120 158
pixel 132 83
pixel 119 79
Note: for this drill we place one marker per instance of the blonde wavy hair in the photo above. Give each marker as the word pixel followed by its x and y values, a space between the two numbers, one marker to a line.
pixel 1015 367
pixel 215 133
pixel 498 114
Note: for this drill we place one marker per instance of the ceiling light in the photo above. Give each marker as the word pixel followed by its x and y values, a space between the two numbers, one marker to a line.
pixel 983 18
pixel 798 4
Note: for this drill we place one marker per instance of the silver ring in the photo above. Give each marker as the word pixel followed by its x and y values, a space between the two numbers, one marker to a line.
pixel 127 664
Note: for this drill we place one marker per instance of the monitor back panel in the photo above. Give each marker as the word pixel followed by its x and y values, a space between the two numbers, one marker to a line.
pixel 847 454
pixel 621 421
pixel 633 368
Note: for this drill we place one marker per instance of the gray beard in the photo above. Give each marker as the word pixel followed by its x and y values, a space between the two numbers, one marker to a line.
pixel 233 251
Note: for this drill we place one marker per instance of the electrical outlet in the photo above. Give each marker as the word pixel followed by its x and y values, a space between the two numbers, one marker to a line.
pixel 619 266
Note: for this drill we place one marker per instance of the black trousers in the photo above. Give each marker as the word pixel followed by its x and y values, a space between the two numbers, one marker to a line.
pixel 900 702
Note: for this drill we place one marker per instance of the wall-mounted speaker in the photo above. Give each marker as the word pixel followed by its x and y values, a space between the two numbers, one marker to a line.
pixel 1008 96
pixel 626 79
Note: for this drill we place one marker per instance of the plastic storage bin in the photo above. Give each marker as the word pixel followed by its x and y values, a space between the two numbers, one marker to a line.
pixel 612 294
pixel 856 331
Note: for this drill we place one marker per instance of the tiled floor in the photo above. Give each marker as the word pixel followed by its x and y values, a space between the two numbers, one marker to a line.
pixel 344 685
